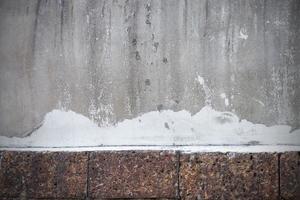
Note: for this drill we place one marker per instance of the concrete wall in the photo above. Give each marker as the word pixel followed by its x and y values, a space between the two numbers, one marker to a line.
pixel 116 59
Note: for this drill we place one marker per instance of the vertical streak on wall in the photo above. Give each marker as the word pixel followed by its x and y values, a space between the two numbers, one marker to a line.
pixel 112 60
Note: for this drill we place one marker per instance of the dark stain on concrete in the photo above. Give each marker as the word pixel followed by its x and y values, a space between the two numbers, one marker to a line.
pixel 165 60
pixel 147 82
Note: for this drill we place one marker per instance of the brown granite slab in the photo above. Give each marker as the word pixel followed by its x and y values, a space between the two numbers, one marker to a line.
pixel 59 175
pixel 14 169
pixel 228 176
pixel 134 199
pixel 43 175
pixel 290 175
pixel 132 174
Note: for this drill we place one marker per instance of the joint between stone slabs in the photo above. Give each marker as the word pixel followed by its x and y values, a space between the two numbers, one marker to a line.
pixel 279 174
pixel 87 175
pixel 178 174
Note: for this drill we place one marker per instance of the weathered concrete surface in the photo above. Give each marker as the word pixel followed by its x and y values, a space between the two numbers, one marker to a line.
pixel 132 175
pixel 231 176
pixel 43 175
pixel 111 60
pixel 290 175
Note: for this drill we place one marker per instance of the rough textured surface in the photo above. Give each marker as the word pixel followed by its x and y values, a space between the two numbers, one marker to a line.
pixel 43 175
pixel 231 176
pixel 148 174
pixel 132 175
pixel 14 170
pixel 290 175
pixel 58 174
pixel 112 60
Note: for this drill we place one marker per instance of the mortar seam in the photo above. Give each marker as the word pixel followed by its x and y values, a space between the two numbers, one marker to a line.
pixel 178 175
pixel 279 173
pixel 87 175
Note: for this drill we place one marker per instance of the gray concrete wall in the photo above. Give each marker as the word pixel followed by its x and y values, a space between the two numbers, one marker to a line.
pixel 117 59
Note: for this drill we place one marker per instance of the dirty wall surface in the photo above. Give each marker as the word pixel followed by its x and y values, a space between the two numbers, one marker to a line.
pixel 112 60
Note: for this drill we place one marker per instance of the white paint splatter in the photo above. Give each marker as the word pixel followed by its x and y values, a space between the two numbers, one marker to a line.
pixel 223 95
pixel 243 34
pixel 207 91
pixel 232 77
pixel 200 79
pixel 226 100
pixel 87 19
pixel 258 101
pixel 278 23
pixel 207 127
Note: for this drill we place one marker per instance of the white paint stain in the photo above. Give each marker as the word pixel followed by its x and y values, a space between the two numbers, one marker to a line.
pixel 200 80
pixel 258 101
pixel 226 100
pixel 278 23
pixel 87 19
pixel 223 95
pixel 206 89
pixel 243 34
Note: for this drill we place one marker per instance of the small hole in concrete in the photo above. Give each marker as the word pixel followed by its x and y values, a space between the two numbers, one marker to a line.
pixel 134 42
pixel 165 60
pixel 137 55
pixel 167 125
pixel 147 82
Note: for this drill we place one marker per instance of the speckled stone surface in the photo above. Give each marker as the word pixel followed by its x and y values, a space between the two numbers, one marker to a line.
pixel 14 169
pixel 290 175
pixel 148 174
pixel 25 198
pixel 43 175
pixel 135 199
pixel 132 175
pixel 228 176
